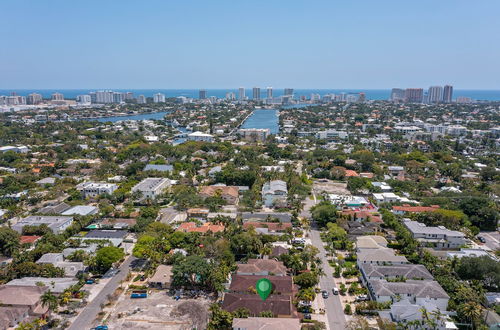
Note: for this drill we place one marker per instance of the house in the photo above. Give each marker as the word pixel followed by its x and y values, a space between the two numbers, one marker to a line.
pixel 347 201
pixel 438 237
pixel 56 285
pixel 18 149
pixel 18 303
pixel 159 168
pixel 262 267
pixel 278 250
pixel 395 171
pixel 197 213
pixel 277 168
pixel 46 181
pixel 229 194
pixel 362 215
pixel 371 242
pixel 106 234
pixel 81 210
pixel 404 209
pixel 57 224
pixel 266 216
pixel 468 253
pixel 170 215
pixel 71 269
pixel 274 192
pixel 356 229
pixel 54 209
pixel 90 249
pixel 280 305
pixel 384 187
pixel 151 188
pixel 254 134
pixel 393 272
pixel 270 226
pixel 199 136
pixel 94 189
pixel 190 227
pixel 246 284
pixel 28 240
pixel 386 197
pixel 118 223
pixel 162 277
pixel 373 250
pixel 214 170
pixel 415 291
pixel 266 323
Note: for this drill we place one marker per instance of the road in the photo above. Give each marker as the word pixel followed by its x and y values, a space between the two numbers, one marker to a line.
pixel 87 316
pixel 333 306
pixel 492 239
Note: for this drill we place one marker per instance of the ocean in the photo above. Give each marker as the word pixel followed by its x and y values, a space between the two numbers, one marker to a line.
pixel 371 94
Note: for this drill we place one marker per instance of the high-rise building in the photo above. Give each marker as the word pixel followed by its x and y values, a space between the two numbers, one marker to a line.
pixel 256 93
pixel 202 94
pixel 397 95
pixel 435 94
pixel 230 96
pixel 288 92
pixel 448 94
pixel 414 95
pixel 102 97
pixel 241 94
pixel 141 99
pixel 35 98
pixel 57 97
pixel 159 98
pixel 269 92
pixel 315 97
pixel 118 97
pixel 83 99
pixel 129 96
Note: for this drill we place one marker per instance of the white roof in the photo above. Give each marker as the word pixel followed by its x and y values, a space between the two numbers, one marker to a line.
pixel 200 134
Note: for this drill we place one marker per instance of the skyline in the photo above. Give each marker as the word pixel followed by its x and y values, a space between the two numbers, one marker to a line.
pixel 195 44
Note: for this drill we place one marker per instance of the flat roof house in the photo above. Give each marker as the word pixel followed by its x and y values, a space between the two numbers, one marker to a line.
pixel 81 210
pixel 94 189
pixel 266 323
pixel 274 192
pixel 71 269
pixel 56 285
pixel 150 188
pixel 391 272
pixel 162 278
pixel 55 223
pixel 438 237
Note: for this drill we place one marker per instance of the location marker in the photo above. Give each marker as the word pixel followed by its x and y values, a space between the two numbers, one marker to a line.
pixel 264 288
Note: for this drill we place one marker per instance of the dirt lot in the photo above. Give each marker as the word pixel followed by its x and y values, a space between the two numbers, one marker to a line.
pixel 330 187
pixel 158 311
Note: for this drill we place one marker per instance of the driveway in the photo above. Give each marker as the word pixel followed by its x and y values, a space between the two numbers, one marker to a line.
pixel 87 316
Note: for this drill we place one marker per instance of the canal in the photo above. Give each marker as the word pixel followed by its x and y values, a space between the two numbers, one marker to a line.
pixel 263 119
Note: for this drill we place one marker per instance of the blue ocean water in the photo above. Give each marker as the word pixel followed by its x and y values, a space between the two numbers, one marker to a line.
pixel 371 94
pixel 263 119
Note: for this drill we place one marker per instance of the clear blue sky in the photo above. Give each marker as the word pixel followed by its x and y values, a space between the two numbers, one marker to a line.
pixel 232 43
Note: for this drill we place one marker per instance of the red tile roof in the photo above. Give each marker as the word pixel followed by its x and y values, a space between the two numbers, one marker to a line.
pixel 189 227
pixel 29 239
pixel 415 209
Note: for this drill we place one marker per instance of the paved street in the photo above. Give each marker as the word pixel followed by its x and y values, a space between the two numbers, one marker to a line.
pixel 492 239
pixel 334 311
pixel 333 306
pixel 87 316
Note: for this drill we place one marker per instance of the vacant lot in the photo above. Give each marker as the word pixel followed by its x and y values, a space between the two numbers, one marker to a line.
pixel 330 187
pixel 158 311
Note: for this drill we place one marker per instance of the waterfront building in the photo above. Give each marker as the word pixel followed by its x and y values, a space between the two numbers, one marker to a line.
pixel 83 99
pixel 288 91
pixel 254 134
pixel 141 99
pixel 435 94
pixel 256 93
pixel 397 95
pixel 448 94
pixel 414 95
pixel 230 96
pixel 202 94
pixel 34 98
pixel 159 98
pixel 269 92
pixel 241 94
pixel 57 97
pixel 118 97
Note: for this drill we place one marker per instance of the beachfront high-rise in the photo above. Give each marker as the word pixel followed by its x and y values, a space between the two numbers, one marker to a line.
pixel 414 95
pixel 57 97
pixel 159 98
pixel 34 98
pixel 202 94
pixel 435 94
pixel 448 94
pixel 256 93
pixel 397 95
pixel 269 92
pixel 241 93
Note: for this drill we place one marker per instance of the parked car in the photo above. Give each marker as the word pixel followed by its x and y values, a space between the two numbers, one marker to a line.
pixel 362 298
pixel 90 281
pixel 101 327
pixel 335 291
pixel 481 239
pixel 307 316
pixel 325 294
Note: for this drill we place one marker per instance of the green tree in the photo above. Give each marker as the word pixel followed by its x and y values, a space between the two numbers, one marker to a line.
pixel 9 241
pixel 219 319
pixel 106 256
pixel 191 271
pixel 49 299
pixel 324 213
pixel 306 280
pixel 266 314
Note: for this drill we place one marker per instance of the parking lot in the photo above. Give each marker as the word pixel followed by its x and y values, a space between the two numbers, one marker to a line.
pixel 158 311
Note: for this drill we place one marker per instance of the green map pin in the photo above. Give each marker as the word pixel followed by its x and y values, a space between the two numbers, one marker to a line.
pixel 264 288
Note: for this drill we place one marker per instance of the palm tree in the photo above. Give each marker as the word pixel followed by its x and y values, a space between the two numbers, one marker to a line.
pixel 470 311
pixel 48 299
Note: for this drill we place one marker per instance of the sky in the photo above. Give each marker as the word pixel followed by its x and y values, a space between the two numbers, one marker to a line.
pixel 371 44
